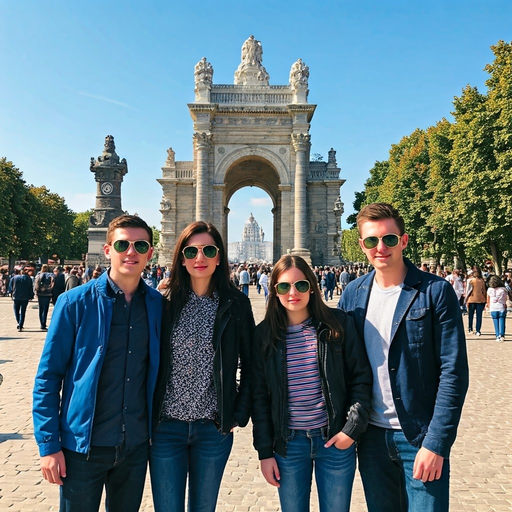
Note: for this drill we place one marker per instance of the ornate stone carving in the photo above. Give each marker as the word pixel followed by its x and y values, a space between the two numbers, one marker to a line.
pixel 251 71
pixel 332 157
pixel 170 158
pixel 301 141
pixel 202 140
pixel 338 207
pixel 203 72
pixel 299 74
pixel 165 205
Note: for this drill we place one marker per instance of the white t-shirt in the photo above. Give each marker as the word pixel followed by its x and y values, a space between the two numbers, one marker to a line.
pixel 377 339
pixel 497 299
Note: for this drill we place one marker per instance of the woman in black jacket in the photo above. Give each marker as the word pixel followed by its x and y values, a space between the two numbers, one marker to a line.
pixel 207 330
pixel 312 386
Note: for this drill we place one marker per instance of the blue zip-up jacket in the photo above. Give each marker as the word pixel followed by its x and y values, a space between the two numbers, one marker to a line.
pixel 72 359
pixel 427 364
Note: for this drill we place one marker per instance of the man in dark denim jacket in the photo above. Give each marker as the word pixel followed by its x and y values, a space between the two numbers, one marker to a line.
pixel 412 327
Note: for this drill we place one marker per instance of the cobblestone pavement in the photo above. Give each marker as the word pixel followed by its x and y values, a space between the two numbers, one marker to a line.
pixel 481 478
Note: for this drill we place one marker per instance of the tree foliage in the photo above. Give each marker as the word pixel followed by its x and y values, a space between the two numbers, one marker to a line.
pixel 350 249
pixel 453 181
pixel 35 222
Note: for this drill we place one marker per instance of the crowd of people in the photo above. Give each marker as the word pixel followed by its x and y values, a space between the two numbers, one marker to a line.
pixel 158 365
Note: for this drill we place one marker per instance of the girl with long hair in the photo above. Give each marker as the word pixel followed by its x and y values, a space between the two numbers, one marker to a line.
pixel 497 296
pixel 312 386
pixel 476 298
pixel 207 330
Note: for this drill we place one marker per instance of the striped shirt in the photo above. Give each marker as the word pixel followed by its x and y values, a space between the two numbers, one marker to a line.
pixel 305 398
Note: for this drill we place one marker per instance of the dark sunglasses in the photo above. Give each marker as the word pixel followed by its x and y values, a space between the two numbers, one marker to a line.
pixel 141 246
pixel 209 251
pixel 301 286
pixel 390 240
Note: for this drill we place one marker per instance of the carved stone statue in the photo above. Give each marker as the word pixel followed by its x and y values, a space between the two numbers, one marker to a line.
pixel 299 74
pixel 203 72
pixel 170 157
pixel 250 71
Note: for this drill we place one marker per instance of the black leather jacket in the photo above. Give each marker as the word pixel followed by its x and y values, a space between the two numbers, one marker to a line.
pixel 346 379
pixel 232 340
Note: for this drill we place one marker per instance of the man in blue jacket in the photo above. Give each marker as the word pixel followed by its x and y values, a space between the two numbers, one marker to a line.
pixel 102 350
pixel 412 327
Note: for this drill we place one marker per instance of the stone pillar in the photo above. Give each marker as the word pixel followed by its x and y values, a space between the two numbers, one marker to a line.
pixel 301 146
pixel 202 141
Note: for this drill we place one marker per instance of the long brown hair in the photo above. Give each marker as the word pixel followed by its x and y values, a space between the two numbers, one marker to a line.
pixel 179 283
pixel 276 314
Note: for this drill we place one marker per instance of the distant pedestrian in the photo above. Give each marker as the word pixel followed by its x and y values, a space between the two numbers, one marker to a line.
pixel 263 283
pixel 72 281
pixel 59 284
pixel 22 291
pixel 245 279
pixel 43 288
pixel 497 303
pixel 476 298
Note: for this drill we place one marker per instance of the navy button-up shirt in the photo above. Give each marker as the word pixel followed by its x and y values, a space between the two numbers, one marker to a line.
pixel 121 413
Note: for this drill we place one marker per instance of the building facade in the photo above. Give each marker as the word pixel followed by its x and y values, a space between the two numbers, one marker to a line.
pixel 252 133
pixel 253 246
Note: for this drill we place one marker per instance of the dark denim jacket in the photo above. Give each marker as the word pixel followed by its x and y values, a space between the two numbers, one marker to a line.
pixel 428 366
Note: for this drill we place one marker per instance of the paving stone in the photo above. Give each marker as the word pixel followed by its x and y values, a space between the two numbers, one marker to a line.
pixel 481 459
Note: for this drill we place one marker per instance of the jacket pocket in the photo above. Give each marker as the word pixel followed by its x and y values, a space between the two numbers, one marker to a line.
pixel 415 324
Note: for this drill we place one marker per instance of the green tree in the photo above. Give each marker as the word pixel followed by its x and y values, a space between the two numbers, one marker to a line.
pixel 79 239
pixel 350 249
pixel 54 231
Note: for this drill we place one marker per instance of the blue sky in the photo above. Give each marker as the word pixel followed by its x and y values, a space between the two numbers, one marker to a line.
pixel 74 72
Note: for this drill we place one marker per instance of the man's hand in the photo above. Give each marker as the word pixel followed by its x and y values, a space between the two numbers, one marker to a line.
pixel 270 471
pixel 427 466
pixel 53 467
pixel 340 440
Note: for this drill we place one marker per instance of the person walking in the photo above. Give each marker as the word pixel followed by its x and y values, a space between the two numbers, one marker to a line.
pixel 59 284
pixel 476 298
pixel 244 280
pixel 497 296
pixel 43 288
pixel 22 291
pixel 263 283
pixel 311 392
pixel 93 392
pixel 412 328
pixel 204 383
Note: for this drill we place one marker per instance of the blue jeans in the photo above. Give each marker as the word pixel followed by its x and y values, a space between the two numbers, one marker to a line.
pixel 195 448
pixel 20 309
pixel 498 318
pixel 121 470
pixel 386 462
pixel 44 306
pixel 334 473
pixel 245 289
pixel 478 308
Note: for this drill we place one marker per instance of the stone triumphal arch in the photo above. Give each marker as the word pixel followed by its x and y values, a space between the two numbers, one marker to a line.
pixel 255 134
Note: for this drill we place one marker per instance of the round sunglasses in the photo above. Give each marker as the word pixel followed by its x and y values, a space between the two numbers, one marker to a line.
pixel 301 286
pixel 389 240
pixel 141 246
pixel 209 251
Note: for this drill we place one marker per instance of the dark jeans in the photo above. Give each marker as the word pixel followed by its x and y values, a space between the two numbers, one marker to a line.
pixel 478 308
pixel 44 306
pixel 122 471
pixel 193 449
pixel 20 308
pixel 386 461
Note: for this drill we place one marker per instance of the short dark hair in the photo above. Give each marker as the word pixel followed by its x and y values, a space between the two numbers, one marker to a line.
pixel 380 211
pixel 128 221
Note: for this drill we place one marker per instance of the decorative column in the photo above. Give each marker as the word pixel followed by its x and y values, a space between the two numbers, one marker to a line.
pixel 301 145
pixel 202 141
